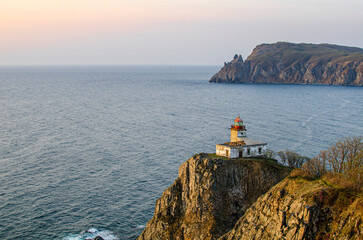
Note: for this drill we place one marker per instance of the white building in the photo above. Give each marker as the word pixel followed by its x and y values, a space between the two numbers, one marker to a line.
pixel 240 145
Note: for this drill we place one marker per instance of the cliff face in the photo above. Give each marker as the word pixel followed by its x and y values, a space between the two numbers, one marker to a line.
pixel 296 63
pixel 300 209
pixel 209 196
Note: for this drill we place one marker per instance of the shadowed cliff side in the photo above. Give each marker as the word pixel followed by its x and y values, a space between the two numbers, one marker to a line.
pixel 210 195
pixel 284 62
pixel 302 209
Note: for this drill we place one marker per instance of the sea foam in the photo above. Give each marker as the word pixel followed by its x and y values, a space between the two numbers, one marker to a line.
pixel 92 233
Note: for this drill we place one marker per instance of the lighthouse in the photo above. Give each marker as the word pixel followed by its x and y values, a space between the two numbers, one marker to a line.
pixel 238 130
pixel 240 145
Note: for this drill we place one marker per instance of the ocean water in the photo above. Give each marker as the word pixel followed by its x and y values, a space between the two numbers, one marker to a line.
pixel 85 149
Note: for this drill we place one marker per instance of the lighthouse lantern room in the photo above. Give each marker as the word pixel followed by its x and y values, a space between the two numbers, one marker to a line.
pixel 240 145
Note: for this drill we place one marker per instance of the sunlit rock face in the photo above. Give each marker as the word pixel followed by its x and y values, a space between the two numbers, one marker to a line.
pixel 210 195
pixel 301 209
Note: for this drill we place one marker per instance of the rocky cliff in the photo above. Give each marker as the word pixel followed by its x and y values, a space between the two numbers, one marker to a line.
pixel 219 198
pixel 284 62
pixel 210 195
pixel 301 209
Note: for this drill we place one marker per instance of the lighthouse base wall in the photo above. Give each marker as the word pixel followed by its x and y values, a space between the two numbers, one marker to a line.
pixel 240 151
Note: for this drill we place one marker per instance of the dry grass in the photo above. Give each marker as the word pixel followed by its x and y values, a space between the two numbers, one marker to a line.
pixel 298 172
pixel 342 182
pixel 341 165
pixel 331 179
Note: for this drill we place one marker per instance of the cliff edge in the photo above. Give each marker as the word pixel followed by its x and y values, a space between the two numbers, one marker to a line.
pixel 210 195
pixel 302 63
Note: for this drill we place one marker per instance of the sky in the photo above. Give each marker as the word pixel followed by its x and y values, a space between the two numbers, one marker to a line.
pixel 166 32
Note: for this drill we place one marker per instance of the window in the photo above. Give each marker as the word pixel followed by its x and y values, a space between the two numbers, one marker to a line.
pixel 259 150
pixel 248 151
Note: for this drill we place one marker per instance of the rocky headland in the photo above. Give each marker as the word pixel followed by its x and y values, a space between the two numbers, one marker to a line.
pixel 210 195
pixel 291 63
pixel 252 198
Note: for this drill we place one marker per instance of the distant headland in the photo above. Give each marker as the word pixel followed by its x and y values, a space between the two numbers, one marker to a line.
pixel 292 63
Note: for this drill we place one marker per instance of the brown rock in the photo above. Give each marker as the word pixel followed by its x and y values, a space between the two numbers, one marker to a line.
pixel 209 197
pixel 306 217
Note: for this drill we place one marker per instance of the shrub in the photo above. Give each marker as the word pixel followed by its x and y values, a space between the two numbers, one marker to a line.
pixel 298 172
pixel 341 164
pixel 341 181
pixel 316 167
pixel 346 156
pixel 291 158
pixel 270 153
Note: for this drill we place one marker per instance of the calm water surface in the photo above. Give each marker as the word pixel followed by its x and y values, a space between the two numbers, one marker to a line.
pixel 94 147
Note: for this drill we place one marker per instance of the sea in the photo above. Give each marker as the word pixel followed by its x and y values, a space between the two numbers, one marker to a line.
pixel 87 150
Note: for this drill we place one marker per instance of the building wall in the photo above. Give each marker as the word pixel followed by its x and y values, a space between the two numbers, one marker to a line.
pixel 254 151
pixel 221 150
pixel 233 152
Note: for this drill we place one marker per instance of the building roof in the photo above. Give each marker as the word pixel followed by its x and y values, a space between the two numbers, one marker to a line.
pixel 248 142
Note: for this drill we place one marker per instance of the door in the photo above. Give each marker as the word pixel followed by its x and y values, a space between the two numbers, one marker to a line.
pixel 227 153
pixel 240 153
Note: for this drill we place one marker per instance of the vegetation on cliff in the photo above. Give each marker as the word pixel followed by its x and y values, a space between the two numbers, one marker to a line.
pixel 321 200
pixel 341 164
pixel 284 62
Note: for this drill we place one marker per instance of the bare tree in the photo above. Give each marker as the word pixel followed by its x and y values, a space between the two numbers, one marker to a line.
pixel 344 160
pixel 317 166
pixel 291 158
pixel 345 156
pixel 270 153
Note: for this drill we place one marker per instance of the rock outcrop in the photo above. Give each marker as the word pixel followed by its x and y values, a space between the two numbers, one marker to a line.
pixel 284 62
pixel 301 209
pixel 224 199
pixel 210 195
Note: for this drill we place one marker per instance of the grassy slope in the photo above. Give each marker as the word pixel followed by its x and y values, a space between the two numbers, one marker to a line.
pixel 341 203
pixel 290 53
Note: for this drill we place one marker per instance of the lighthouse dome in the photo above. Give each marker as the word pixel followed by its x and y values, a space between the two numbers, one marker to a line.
pixel 238 124
pixel 238 119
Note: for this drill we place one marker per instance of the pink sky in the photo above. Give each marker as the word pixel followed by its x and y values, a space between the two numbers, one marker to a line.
pixel 41 32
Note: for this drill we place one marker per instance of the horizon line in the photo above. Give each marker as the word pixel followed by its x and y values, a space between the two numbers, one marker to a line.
pixel 103 65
